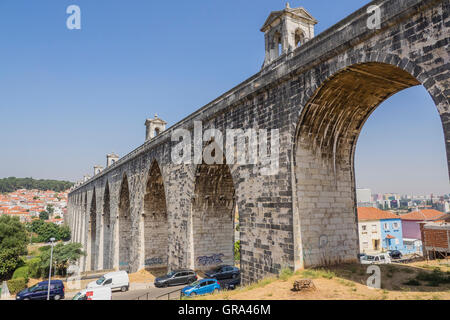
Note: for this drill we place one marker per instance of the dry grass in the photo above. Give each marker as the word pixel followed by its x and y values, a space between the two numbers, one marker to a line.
pixel 346 282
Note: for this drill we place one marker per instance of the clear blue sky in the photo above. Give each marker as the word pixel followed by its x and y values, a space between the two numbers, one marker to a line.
pixel 67 98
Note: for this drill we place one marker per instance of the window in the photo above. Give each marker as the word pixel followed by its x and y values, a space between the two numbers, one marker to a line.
pixel 364 228
pixel 109 281
pixel 386 226
pixel 299 38
pixel 365 245
pixel 100 280
pixel 395 225
pixel 374 227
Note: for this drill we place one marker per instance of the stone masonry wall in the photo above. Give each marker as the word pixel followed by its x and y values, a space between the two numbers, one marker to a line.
pixel 284 216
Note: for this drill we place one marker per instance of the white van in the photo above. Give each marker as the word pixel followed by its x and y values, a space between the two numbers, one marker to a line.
pixel 381 258
pixel 115 280
pixel 103 293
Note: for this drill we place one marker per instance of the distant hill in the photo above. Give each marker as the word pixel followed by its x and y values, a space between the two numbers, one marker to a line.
pixel 12 184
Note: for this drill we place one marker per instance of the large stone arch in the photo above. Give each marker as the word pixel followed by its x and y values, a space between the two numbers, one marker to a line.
pixel 335 110
pixel 92 232
pixel 107 230
pixel 212 220
pixel 84 227
pixel 155 237
pixel 125 226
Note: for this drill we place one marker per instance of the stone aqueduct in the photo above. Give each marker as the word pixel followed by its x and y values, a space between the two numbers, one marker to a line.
pixel 145 211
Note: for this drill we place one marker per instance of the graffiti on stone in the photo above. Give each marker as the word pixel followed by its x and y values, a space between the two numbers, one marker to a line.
pixel 153 261
pixel 210 260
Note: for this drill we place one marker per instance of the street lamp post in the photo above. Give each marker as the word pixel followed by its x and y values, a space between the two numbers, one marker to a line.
pixel 52 240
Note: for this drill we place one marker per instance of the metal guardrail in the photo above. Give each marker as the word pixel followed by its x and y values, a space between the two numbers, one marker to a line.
pixel 176 297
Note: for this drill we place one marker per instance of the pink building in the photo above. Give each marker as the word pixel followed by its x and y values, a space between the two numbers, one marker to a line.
pixel 411 222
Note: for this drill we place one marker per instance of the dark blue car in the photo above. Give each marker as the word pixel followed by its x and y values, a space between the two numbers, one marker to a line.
pixel 39 291
pixel 200 287
pixel 223 272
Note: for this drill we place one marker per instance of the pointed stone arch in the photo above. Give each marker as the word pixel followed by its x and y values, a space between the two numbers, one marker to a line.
pixel 213 217
pixel 156 227
pixel 107 230
pixel 93 241
pixel 125 226
pixel 324 149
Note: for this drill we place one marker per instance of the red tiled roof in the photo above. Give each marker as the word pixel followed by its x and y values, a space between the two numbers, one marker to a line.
pixel 423 215
pixel 367 214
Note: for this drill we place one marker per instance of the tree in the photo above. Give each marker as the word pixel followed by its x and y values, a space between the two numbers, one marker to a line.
pixel 47 230
pixel 63 256
pixel 13 234
pixel 50 209
pixel 9 261
pixel 12 184
pixel 13 244
pixel 43 215
pixel 64 233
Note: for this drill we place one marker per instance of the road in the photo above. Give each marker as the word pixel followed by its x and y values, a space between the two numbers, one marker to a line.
pixel 153 293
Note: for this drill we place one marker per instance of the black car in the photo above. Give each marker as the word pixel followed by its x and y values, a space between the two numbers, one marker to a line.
pixel 395 254
pixel 223 272
pixel 231 284
pixel 176 278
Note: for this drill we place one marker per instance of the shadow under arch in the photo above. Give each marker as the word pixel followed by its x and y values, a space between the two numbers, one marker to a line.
pixel 107 234
pixel 324 149
pixel 125 226
pixel 213 216
pixel 93 241
pixel 156 228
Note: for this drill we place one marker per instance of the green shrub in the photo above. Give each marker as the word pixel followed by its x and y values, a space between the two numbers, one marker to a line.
pixel 285 274
pixel 22 272
pixel 412 282
pixel 17 285
pixel 318 273
pixel 34 268
pixel 237 251
pixel 434 278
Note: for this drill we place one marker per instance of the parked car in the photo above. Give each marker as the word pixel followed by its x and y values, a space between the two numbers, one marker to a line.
pixel 114 280
pixel 231 284
pixel 39 291
pixel 101 293
pixel 382 258
pixel 176 278
pixel 361 255
pixel 223 272
pixel 395 254
pixel 200 287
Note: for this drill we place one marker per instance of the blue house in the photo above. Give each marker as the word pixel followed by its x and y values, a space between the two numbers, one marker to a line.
pixel 392 234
